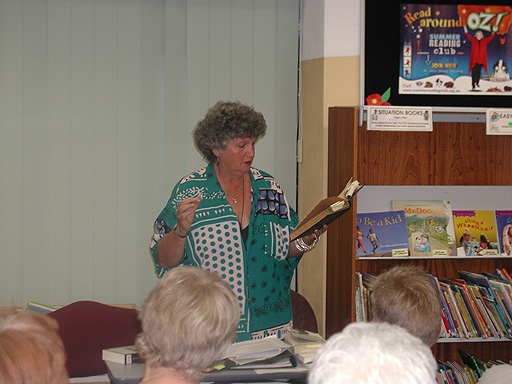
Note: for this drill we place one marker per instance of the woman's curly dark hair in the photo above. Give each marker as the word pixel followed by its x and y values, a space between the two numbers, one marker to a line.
pixel 224 122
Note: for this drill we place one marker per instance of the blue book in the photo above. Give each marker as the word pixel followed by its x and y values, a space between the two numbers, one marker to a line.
pixel 381 234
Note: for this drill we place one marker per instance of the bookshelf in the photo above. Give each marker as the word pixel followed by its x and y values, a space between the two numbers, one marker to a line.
pixel 457 153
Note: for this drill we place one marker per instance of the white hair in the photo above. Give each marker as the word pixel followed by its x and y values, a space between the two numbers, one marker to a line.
pixel 189 320
pixel 373 353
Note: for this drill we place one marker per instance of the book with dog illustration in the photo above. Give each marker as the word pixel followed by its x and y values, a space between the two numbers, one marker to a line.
pixel 426 226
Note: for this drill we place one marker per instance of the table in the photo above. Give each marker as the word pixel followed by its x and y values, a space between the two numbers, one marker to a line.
pixel 132 374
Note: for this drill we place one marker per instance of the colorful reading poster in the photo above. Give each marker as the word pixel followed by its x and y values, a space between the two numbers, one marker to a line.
pixel 455 49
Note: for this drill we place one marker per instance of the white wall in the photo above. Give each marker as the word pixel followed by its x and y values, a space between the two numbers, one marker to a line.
pixel 331 28
pixel 97 102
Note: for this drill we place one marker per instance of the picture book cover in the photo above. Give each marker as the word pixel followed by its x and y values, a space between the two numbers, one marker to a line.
pixel 504 231
pixel 426 226
pixel 381 234
pixel 475 232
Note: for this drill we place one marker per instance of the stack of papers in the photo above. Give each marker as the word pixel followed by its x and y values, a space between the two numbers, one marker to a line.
pixel 251 351
pixel 304 344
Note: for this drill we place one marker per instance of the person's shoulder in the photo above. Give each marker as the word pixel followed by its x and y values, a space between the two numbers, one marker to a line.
pixel 258 174
pixel 199 174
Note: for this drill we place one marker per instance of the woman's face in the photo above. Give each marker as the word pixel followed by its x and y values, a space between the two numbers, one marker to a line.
pixel 238 155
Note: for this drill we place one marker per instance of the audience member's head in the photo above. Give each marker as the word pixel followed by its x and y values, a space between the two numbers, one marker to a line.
pixel 407 296
pixel 373 353
pixel 497 374
pixel 188 322
pixel 31 350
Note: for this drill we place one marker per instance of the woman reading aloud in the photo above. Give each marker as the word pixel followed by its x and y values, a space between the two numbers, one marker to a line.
pixel 233 219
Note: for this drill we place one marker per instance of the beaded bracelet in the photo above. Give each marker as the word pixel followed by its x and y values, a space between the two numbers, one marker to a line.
pixel 303 247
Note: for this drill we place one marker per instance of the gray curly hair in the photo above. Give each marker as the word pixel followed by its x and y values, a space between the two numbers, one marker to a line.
pixel 224 122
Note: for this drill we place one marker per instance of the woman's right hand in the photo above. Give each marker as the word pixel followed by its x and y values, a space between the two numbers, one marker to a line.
pixel 186 211
pixel 170 247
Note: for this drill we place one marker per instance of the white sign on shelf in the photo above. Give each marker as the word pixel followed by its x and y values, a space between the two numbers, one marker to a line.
pixel 386 118
pixel 499 121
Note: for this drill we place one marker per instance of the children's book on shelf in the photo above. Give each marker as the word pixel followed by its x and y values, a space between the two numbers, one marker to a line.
pixel 470 361
pixel 381 234
pixel 327 210
pixel 426 226
pixel 479 322
pixel 445 373
pixel 475 232
pixel 503 291
pixel 460 330
pixel 491 299
pixel 450 228
pixel 363 288
pixel 360 298
pixel 448 329
pixel 475 305
pixel 504 231
pixel 466 307
pixel 503 273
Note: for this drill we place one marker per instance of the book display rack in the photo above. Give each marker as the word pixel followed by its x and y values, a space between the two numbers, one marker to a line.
pixel 456 153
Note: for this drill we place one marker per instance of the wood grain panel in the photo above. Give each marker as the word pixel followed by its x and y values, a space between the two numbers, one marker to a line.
pixel 340 247
pixel 453 154
pixel 483 350
pixel 440 267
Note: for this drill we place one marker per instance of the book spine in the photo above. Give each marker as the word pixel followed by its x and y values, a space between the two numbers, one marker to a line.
pixel 506 274
pixel 489 326
pixel 506 308
pixel 460 317
pixel 445 311
pixel 465 314
pixel 458 328
pixel 474 313
pixel 493 314
pixel 499 309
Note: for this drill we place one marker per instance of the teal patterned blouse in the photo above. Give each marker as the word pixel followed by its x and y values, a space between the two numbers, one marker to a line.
pixel 259 270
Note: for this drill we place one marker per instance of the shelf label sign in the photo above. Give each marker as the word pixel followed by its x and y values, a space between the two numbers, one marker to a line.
pixel 498 121
pixel 386 118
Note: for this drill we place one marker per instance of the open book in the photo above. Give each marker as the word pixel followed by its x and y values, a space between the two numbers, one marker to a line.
pixel 327 210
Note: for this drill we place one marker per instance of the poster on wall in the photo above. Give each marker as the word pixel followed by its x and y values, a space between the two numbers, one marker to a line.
pixel 455 49
pixel 444 54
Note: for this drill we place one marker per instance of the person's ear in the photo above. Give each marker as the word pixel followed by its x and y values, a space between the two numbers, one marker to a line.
pixel 216 152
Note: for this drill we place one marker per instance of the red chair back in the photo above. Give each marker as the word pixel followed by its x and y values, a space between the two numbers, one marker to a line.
pixel 88 327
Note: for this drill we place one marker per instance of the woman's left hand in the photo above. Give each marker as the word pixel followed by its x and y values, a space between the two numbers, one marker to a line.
pixel 309 239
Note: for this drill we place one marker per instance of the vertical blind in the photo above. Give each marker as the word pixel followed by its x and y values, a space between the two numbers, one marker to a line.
pixel 97 102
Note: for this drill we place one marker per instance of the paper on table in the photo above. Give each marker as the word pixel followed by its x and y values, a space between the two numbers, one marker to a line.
pixel 253 350
pixel 90 379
